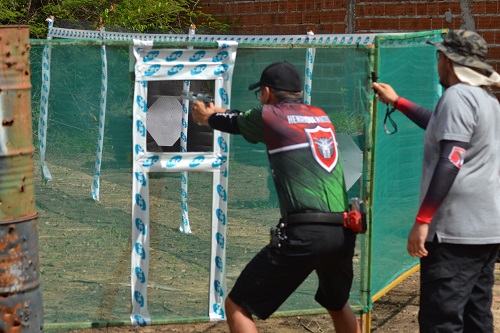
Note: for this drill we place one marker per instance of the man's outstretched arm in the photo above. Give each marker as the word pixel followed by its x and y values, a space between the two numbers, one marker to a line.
pixel 416 113
pixel 216 117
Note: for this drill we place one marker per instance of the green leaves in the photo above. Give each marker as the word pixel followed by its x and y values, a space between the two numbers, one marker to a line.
pixel 133 15
pixel 12 12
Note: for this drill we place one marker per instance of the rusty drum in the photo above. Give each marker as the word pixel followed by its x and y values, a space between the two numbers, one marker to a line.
pixel 20 295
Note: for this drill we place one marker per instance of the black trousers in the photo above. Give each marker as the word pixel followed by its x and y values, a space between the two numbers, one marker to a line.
pixel 456 284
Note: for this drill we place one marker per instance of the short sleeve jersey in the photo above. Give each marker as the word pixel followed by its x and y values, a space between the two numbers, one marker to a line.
pixel 470 213
pixel 303 155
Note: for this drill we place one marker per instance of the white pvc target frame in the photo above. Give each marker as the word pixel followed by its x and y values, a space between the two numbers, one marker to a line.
pixel 179 64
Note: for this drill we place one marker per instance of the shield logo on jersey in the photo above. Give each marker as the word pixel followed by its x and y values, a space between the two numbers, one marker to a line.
pixel 323 146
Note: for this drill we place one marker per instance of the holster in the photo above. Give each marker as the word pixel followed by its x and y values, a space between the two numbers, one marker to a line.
pixel 276 235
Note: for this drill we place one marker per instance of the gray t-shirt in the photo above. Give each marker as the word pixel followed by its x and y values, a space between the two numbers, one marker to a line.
pixel 470 213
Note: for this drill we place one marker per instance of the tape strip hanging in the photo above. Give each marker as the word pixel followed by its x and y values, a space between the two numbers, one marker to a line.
pixel 140 213
pixel 102 118
pixel 184 225
pixel 44 104
pixel 311 53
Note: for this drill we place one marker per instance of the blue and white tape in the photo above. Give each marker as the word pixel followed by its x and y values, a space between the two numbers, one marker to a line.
pixel 95 188
pixel 44 106
pixel 310 55
pixel 320 39
pixel 184 225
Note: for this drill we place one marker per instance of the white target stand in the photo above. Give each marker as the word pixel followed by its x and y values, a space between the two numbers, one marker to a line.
pixel 179 64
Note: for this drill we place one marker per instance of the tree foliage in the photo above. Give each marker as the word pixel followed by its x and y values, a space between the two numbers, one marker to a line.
pixel 174 16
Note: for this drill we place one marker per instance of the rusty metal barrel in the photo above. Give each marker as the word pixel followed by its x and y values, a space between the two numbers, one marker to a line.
pixel 20 295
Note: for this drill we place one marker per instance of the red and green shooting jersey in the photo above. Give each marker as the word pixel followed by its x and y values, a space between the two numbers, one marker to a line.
pixel 303 155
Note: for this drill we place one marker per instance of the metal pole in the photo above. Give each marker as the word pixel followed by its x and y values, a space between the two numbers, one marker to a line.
pixel 20 301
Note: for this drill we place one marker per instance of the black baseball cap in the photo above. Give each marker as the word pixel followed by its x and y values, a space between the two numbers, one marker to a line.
pixel 280 76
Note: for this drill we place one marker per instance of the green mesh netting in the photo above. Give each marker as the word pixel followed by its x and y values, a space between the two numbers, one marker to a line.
pixel 85 245
pixel 409 65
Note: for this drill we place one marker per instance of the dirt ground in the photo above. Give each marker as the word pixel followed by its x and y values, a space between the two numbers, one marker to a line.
pixel 69 239
pixel 394 312
pixel 76 235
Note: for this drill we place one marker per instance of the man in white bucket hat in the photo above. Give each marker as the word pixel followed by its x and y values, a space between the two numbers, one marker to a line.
pixel 456 233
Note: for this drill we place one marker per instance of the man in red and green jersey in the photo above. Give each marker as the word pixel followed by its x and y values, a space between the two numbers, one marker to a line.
pixel 306 169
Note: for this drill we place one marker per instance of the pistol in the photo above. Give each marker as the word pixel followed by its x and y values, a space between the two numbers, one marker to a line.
pixel 189 95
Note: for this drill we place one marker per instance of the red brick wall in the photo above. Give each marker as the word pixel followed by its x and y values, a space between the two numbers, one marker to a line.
pixel 400 16
pixel 279 17
pixel 275 17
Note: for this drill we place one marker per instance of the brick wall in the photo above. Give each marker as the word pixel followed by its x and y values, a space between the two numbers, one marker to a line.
pixel 274 17
pixel 400 16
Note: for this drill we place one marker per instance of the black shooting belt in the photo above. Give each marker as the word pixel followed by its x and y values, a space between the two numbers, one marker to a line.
pixel 316 217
